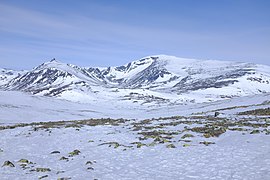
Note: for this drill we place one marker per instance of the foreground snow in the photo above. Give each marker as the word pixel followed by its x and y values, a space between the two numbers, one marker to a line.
pixel 115 152
pixel 192 145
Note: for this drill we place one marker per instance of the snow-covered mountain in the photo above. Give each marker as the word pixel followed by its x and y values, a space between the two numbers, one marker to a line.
pixel 52 78
pixel 6 75
pixel 155 80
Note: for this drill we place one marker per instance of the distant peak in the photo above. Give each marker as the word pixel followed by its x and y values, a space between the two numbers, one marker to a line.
pixel 158 57
pixel 53 60
pixel 53 63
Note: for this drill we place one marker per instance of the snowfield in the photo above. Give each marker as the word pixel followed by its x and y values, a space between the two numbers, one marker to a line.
pixel 19 107
pixel 120 152
pixel 140 148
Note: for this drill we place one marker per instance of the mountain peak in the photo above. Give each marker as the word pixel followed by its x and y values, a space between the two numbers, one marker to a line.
pixel 53 63
pixel 53 60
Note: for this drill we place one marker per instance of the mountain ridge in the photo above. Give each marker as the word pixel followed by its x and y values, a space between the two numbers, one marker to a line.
pixel 150 80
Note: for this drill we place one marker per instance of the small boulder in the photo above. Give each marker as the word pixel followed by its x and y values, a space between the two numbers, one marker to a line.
pixel 90 168
pixel 170 146
pixel 24 161
pixel 74 153
pixel 43 169
pixel 64 158
pixel 55 152
pixel 8 163
pixel 216 114
pixel 41 177
pixel 88 162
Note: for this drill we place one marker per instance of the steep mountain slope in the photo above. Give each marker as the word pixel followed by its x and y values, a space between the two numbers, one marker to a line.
pixel 151 80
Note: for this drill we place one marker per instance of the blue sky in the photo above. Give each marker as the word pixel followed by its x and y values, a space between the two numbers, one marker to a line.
pixel 111 33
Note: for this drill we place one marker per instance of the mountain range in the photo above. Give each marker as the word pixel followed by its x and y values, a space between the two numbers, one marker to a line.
pixel 152 80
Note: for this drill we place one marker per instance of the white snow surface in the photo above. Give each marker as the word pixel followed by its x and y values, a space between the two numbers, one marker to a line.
pixel 234 156
pixel 18 107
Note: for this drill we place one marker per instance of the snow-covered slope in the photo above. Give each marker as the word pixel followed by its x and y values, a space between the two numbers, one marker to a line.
pixel 6 75
pixel 152 80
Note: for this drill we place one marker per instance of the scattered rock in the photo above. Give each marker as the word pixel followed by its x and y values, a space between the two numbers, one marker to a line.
pixel 267 132
pixel 55 152
pixel 216 114
pixel 206 135
pixel 170 146
pixel 88 162
pixel 43 176
pixel 238 129
pixel 187 136
pixel 74 153
pixel 64 158
pixel 161 140
pixel 257 112
pixel 23 165
pixel 64 178
pixel 8 163
pixel 43 169
pixel 256 131
pixel 139 144
pixel 186 145
pixel 185 140
pixel 24 161
pixel 207 143
pixel 114 144
pixel 59 172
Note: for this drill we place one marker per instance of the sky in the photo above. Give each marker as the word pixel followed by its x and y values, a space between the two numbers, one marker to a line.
pixel 115 32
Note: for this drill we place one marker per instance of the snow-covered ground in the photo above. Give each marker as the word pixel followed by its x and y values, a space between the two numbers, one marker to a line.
pixel 116 152
pixel 17 107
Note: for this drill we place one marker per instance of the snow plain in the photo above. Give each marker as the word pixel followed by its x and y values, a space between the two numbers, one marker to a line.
pixel 235 155
pixel 19 107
